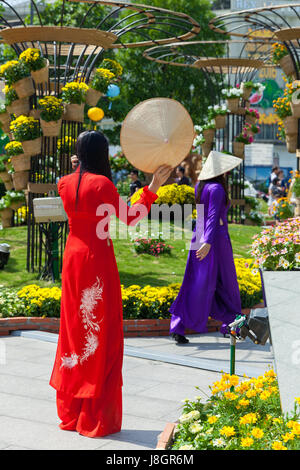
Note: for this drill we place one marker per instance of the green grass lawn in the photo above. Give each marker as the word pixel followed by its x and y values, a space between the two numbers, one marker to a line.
pixel 133 268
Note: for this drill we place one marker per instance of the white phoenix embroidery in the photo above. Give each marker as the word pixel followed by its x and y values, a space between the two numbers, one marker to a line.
pixel 89 300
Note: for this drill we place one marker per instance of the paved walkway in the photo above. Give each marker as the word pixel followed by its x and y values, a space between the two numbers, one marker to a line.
pixel 152 395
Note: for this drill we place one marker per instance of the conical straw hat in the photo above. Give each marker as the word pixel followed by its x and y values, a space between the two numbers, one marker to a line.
pixel 156 132
pixel 217 164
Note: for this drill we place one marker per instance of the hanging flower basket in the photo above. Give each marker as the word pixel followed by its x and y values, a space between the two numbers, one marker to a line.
pixel 42 75
pixel 5 120
pixel 24 87
pixel 209 135
pixel 233 104
pixel 250 119
pixel 6 217
pixel 239 149
pixel 32 147
pixel 290 125
pixel 51 128
pixel 246 93
pixel 21 162
pixel 74 112
pixel 287 65
pixel 93 96
pixel 291 143
pixel 206 148
pixel 35 113
pixel 4 176
pixel 20 180
pixel 16 205
pixel 295 110
pixel 19 107
pixel 220 121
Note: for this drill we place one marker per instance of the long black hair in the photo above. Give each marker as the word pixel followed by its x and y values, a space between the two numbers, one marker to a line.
pixel 218 179
pixel 92 150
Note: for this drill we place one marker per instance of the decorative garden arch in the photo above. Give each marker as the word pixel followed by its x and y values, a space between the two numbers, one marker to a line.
pixel 224 66
pixel 73 54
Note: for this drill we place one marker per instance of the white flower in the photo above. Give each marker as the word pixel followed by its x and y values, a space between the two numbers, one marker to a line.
pixel 195 428
pixel 219 442
pixel 186 447
pixel 297 257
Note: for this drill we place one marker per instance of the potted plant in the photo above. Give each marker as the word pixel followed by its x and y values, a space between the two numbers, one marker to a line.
pixel 294 96
pixel 239 144
pixel 27 131
pixel 51 115
pixel 16 73
pixel 281 57
pixel 14 104
pixel 4 174
pixel 218 113
pixel 246 89
pixel 251 129
pixel 4 119
pixel 199 142
pixel 16 199
pixel 19 161
pixel 113 66
pixel 6 213
pixel 74 95
pixel 283 110
pixel 209 131
pixel 252 115
pixel 98 85
pixel 296 192
pixel 38 65
pixel 232 96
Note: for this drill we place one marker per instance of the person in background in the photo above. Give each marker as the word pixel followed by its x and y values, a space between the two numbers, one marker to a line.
pixel 282 181
pixel 181 178
pixel 274 174
pixel 135 184
pixel 74 162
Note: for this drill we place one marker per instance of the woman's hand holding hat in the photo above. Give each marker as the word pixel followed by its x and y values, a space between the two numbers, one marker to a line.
pixel 160 177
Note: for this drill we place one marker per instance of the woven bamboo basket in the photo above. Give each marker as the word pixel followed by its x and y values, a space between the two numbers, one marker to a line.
pixel 295 109
pixel 209 135
pixel 16 205
pixel 233 104
pixel 42 75
pixel 19 107
pixel 291 143
pixel 5 120
pixel 35 113
pixel 246 93
pixel 21 162
pixel 287 65
pixel 239 149
pixel 24 87
pixel 74 112
pixel 51 128
pixel 20 180
pixel 220 121
pixel 32 147
pixel 206 148
pixel 290 125
pixel 4 176
pixel 93 96
pixel 6 217
pixel 250 119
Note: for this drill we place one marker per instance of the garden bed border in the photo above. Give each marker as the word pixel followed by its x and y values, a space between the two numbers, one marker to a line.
pixel 132 328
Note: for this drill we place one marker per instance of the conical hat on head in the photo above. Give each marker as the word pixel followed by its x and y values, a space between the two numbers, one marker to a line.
pixel 217 164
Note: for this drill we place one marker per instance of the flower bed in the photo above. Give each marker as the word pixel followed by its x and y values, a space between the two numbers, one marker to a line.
pixel 138 302
pixel 239 415
pixel 278 248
